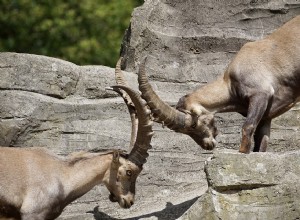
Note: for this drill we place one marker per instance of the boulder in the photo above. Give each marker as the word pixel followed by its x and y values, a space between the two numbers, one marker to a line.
pixel 255 186
pixel 53 103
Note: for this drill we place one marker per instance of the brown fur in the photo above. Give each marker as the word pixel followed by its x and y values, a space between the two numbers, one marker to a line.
pixel 37 184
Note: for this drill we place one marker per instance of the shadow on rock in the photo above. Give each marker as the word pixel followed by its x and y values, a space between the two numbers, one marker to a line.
pixel 170 212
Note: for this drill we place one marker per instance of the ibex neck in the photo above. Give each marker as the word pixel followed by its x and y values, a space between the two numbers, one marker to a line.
pixel 84 172
pixel 214 97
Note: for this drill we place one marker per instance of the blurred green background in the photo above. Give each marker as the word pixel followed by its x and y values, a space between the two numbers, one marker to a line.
pixel 83 32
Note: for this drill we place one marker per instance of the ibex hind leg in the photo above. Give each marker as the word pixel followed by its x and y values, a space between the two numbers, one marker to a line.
pixel 262 136
pixel 258 104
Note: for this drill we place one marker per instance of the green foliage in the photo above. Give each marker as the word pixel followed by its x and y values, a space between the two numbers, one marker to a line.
pixel 83 32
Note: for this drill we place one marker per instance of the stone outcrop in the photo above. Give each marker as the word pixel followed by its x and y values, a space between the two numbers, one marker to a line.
pixel 255 186
pixel 52 103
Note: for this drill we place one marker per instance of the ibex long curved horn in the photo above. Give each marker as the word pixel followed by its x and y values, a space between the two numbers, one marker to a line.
pixel 164 113
pixel 183 122
pixel 120 80
pixel 139 152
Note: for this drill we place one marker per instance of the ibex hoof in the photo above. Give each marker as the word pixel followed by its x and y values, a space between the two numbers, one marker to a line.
pixel 244 150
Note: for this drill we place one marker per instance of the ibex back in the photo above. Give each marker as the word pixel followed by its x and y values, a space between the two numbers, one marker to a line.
pixel 261 83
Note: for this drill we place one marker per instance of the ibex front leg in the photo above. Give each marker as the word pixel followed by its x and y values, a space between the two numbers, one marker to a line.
pixel 258 104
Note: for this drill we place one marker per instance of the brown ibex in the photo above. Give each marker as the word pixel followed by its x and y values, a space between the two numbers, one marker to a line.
pixel 36 184
pixel 261 83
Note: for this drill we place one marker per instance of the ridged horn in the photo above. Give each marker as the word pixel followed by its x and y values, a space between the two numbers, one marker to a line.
pixel 120 80
pixel 163 112
pixel 139 152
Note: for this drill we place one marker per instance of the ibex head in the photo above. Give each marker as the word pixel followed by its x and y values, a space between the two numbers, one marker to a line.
pixel 200 123
pixel 197 122
pixel 122 178
pixel 125 168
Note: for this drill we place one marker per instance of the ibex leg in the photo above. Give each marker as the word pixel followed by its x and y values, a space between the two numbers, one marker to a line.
pixel 262 136
pixel 257 107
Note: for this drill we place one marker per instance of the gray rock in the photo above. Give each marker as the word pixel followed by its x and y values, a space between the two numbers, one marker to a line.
pixel 255 186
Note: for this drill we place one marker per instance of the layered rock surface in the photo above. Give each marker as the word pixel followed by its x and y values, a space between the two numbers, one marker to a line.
pixel 255 186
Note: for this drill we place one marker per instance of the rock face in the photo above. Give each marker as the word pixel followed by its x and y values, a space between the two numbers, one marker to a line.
pixel 55 104
pixel 255 186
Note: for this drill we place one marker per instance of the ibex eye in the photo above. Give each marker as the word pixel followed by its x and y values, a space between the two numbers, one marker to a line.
pixel 128 172
pixel 194 125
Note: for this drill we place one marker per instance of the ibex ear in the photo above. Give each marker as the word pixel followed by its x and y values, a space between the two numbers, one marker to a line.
pixel 116 157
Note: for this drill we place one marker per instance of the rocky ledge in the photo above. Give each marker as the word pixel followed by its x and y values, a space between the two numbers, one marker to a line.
pixel 254 186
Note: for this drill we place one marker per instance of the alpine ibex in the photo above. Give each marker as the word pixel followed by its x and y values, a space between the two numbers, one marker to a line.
pixel 261 83
pixel 35 184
